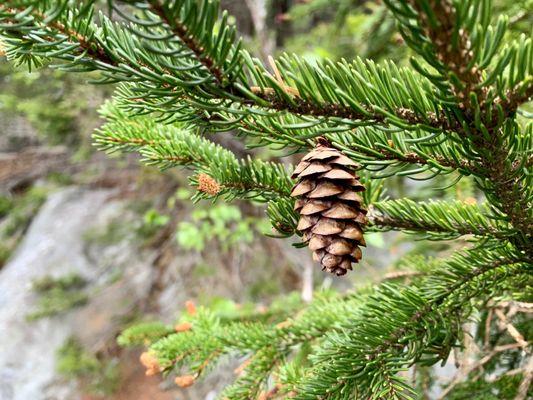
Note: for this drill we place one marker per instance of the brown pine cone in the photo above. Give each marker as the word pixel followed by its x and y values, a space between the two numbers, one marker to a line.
pixel 332 212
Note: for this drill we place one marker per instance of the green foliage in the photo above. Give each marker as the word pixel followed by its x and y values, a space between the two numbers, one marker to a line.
pixel 152 222
pixel 443 220
pixel 171 145
pixel 451 114
pixel 98 377
pixel 281 308
pixel 220 222
pixel 16 213
pixel 48 99
pixel 67 282
pixel 143 334
pixel 58 295
pixel 22 211
pixel 340 28
pixel 6 205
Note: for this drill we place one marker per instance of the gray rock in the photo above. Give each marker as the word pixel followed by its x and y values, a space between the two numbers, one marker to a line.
pixel 56 245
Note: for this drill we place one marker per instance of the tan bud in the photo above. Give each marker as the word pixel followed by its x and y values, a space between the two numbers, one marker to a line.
pixel 207 184
pixel 185 381
pixel 190 307
pixel 150 362
pixel 183 327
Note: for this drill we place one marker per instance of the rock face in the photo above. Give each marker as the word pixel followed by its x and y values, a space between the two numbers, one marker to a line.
pixel 55 245
pixel 19 169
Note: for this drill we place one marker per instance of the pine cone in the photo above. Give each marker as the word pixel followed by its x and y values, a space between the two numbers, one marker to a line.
pixel 331 210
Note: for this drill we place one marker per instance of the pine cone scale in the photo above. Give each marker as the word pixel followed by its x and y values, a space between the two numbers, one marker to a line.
pixel 303 187
pixel 331 211
pixel 325 189
pixel 341 211
pixel 315 168
pixel 337 173
pixel 327 226
pixel 352 232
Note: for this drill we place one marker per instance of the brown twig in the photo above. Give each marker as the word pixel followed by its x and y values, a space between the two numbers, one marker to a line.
pixel 506 324
pixel 485 359
pixel 401 274
pixel 488 322
pixel 525 384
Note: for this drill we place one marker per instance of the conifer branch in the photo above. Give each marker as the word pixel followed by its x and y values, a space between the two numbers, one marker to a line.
pixel 169 146
pixel 376 149
pixel 362 344
pixel 456 112
pixel 16 20
pixel 444 26
pixel 372 147
pixel 353 362
pixel 433 220
pixel 182 32
pixel 444 220
pixel 119 65
pixel 452 43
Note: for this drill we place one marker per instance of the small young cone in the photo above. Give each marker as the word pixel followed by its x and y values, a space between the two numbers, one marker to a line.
pixel 332 213
pixel 184 381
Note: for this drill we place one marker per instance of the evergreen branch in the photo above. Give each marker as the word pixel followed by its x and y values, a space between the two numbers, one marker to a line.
pixel 444 25
pixel 457 40
pixel 364 318
pixel 441 220
pixel 441 32
pixel 338 102
pixel 167 146
pixel 367 106
pixel 512 79
pixel 212 42
pixel 258 369
pixel 360 91
pixel 377 101
pixel 506 182
pixel 266 346
pixel 399 150
pixel 373 147
pixel 438 220
pixel 143 334
pixel 182 32
pixel 365 358
pixel 435 220
pixel 70 36
pixel 488 132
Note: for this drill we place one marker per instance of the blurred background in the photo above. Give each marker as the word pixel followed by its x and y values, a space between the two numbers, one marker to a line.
pixel 90 243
